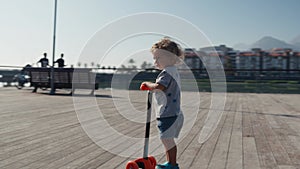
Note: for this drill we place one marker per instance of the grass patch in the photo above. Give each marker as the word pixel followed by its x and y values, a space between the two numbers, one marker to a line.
pixel 247 86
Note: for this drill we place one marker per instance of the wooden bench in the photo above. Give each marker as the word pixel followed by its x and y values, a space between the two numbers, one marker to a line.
pixel 64 78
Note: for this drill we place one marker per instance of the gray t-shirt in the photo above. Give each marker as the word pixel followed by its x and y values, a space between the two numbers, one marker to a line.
pixel 167 102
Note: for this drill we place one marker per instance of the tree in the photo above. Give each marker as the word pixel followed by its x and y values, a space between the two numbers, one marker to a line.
pixel 131 63
pixel 123 67
pixel 146 65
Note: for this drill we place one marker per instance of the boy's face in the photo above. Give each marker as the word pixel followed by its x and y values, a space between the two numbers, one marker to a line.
pixel 163 59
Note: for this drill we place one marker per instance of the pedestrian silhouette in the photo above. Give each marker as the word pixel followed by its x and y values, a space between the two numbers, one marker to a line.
pixel 60 61
pixel 44 61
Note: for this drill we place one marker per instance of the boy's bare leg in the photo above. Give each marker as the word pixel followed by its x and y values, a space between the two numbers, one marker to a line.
pixel 172 155
pixel 171 150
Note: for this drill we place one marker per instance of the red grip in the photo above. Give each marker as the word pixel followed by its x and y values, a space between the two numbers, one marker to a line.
pixel 144 87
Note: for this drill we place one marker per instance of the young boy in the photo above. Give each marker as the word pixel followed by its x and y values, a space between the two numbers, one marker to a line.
pixel 166 97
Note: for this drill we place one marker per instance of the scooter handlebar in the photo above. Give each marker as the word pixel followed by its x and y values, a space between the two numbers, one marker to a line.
pixel 144 87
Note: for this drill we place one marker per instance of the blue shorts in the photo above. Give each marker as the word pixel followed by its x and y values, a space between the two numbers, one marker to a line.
pixel 170 127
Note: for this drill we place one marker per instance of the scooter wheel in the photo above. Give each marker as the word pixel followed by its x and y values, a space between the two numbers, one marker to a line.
pixel 132 165
pixel 152 160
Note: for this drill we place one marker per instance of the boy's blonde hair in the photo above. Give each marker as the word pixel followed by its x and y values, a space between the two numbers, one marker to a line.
pixel 168 45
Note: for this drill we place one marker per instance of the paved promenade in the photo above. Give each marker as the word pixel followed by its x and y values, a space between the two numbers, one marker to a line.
pixel 38 130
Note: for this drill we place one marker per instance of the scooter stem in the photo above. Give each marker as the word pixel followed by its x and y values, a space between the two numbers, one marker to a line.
pixel 148 121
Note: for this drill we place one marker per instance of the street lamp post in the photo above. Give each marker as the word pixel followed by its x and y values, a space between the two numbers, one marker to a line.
pixel 53 50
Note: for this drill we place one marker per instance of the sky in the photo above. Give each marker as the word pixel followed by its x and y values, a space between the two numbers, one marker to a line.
pixel 27 26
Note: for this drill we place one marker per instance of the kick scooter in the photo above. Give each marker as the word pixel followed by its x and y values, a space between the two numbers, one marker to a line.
pixel 146 162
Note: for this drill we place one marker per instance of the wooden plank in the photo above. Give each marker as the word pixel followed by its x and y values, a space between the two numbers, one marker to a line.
pixel 63 162
pixel 286 167
pixel 29 145
pixel 264 150
pixel 95 157
pixel 278 150
pixel 189 147
pixel 235 154
pixel 292 145
pixel 250 155
pixel 219 158
pixel 204 155
pixel 247 126
pixel 276 137
pixel 21 160
pixel 280 130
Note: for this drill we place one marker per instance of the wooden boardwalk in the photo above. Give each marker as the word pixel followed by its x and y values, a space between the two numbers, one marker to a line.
pixel 256 131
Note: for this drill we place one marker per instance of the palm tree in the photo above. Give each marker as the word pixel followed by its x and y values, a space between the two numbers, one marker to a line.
pixel 98 66
pixel 131 62
pixel 146 65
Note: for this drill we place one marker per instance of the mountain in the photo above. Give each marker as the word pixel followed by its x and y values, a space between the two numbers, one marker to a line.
pixel 241 46
pixel 269 42
pixel 296 41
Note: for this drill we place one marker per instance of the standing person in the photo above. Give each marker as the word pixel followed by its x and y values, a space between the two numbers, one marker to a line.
pixel 44 61
pixel 166 98
pixel 60 61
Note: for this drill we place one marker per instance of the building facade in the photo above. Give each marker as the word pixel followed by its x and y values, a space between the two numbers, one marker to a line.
pixel 241 61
